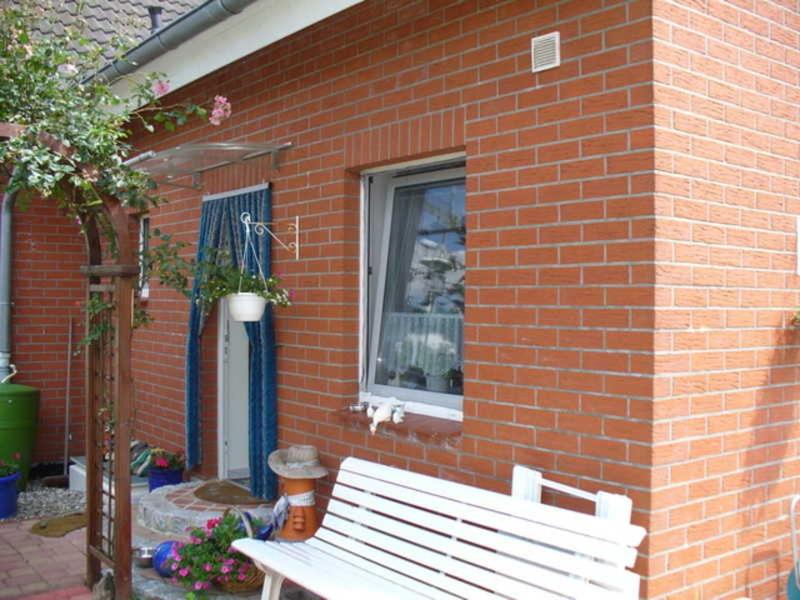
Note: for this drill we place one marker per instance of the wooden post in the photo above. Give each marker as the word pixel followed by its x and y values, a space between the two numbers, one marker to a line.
pixel 94 465
pixel 123 395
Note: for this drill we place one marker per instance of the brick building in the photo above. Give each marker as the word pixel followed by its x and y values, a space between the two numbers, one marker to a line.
pixel 629 263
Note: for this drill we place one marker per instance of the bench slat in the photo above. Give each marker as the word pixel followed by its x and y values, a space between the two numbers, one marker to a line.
pixel 504 543
pixel 588 525
pixel 437 579
pixel 460 588
pixel 330 577
pixel 512 569
pixel 479 575
pixel 543 533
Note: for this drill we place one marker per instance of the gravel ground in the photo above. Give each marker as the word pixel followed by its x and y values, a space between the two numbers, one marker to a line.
pixel 40 501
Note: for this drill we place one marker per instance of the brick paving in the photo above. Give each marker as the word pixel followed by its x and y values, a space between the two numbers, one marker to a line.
pixel 33 567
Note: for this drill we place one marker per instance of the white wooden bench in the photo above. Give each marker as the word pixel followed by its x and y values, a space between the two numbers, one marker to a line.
pixel 392 534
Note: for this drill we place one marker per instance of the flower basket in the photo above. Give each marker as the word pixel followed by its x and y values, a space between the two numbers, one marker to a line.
pixel 207 560
pixel 255 577
pixel 254 581
pixel 246 306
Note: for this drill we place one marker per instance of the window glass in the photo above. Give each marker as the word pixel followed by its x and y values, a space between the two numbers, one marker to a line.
pixel 420 346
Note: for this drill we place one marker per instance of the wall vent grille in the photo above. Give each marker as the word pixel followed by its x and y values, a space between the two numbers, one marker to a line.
pixel 546 51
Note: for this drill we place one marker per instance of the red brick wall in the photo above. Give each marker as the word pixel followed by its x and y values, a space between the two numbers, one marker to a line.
pixel 559 320
pixel 631 231
pixel 48 288
pixel 728 176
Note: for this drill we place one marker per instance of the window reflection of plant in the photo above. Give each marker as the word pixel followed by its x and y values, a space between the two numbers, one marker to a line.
pixel 438 267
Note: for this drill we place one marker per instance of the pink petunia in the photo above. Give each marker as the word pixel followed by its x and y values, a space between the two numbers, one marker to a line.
pixel 225 569
pixel 161 462
pixel 174 566
pixel 241 577
pixel 183 572
pixel 160 87
pixel 207 567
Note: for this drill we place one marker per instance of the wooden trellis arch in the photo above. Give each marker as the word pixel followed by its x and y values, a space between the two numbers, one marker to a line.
pixel 108 386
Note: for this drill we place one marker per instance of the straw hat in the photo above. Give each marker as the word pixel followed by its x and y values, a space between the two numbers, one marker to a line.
pixel 297 462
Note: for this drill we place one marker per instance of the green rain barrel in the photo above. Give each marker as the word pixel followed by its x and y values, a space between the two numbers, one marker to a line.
pixel 19 405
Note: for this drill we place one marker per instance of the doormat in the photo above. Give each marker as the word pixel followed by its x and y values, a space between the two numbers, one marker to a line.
pixel 59 526
pixel 225 492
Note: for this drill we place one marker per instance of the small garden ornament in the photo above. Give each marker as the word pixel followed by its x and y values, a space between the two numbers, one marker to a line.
pixel 299 468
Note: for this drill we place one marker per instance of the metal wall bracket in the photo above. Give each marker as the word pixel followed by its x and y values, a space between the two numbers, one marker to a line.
pixel 270 228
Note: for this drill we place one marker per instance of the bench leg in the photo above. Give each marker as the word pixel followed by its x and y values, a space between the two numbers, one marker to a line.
pixel 272 586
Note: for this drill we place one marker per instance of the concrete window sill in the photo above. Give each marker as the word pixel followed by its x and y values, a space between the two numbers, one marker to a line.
pixel 430 431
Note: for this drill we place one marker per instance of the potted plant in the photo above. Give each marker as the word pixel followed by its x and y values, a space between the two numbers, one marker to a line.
pixel 207 559
pixel 166 468
pixel 9 473
pixel 437 382
pixel 455 380
pixel 247 293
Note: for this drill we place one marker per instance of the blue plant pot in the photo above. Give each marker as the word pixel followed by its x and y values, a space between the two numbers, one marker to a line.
pixel 160 557
pixel 8 495
pixel 157 478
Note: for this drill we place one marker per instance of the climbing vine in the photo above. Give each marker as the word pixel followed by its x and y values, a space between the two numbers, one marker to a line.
pixel 75 130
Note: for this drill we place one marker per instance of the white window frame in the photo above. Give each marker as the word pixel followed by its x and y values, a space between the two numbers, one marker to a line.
pixel 447 406
pixel 144 244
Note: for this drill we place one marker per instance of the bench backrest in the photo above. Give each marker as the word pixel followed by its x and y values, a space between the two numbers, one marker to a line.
pixel 527 483
pixel 474 543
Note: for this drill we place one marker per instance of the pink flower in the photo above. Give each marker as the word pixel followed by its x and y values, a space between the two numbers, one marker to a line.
pixel 183 572
pixel 161 462
pixel 225 569
pixel 211 523
pixel 160 87
pixel 174 566
pixel 198 585
pixel 220 111
pixel 241 577
pixel 195 540
pixel 207 567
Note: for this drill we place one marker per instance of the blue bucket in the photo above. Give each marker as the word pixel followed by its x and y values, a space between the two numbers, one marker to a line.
pixel 8 495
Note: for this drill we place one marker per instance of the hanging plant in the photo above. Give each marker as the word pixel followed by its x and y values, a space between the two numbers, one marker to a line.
pixel 248 293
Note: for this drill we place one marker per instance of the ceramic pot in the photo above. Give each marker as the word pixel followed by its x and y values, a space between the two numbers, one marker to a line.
pixel 437 383
pixel 246 306
pixel 157 478
pixel 8 495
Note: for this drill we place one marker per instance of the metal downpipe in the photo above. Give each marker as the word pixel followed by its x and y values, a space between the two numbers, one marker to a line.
pixel 5 283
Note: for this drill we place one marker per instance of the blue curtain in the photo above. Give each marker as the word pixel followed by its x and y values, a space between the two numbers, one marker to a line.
pixel 221 227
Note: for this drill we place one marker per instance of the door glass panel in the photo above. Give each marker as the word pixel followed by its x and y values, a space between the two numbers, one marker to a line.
pixel 422 324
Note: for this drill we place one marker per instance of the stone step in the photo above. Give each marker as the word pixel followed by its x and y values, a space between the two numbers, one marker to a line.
pixel 173 509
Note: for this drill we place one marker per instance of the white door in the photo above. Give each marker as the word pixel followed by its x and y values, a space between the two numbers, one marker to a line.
pixel 234 387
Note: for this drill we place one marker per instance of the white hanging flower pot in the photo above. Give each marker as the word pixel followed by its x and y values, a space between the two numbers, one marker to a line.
pixel 246 306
